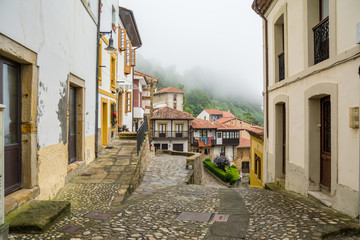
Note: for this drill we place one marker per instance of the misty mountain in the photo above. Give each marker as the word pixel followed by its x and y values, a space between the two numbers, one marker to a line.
pixel 206 89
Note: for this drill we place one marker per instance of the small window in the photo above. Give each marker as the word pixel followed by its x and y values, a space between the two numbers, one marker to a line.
pixel 207 151
pixel 133 62
pixel 203 133
pixel 232 135
pixel 219 134
pixel 127 102
pixel 174 97
pixel 174 105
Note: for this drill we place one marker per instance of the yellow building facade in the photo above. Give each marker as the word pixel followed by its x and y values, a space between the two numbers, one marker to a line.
pixel 256 157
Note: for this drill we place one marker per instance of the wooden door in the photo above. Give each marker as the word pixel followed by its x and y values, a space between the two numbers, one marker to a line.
pixel 325 154
pixel 10 97
pixel 104 123
pixel 283 139
pixel 72 125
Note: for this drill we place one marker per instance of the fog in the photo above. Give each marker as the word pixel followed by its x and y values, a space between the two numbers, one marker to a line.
pixel 213 43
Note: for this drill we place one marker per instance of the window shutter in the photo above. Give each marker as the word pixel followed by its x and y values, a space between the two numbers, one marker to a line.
pixel 127 68
pixel 133 57
pixel 122 39
pixel 112 72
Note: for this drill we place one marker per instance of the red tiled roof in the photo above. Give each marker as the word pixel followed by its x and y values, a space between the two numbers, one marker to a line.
pixel 244 143
pixel 224 120
pixel 169 90
pixel 223 126
pixel 213 111
pixel 198 123
pixel 227 114
pixel 170 113
pixel 257 131
pixel 261 6
pixel 137 73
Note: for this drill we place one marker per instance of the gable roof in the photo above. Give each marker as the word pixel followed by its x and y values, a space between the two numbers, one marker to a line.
pixel 169 90
pixel 224 120
pixel 170 113
pixel 227 114
pixel 256 131
pixel 198 123
pixel 244 143
pixel 137 73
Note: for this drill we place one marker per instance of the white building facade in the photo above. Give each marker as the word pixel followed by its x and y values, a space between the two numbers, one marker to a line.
pixel 49 81
pixel 311 85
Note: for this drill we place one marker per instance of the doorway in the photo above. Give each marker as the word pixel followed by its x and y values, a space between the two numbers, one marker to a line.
pixel 280 140
pixel 10 96
pixel 104 122
pixel 72 125
pixel 325 143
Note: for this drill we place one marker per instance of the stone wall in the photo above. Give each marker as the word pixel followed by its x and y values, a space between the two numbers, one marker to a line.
pixel 142 163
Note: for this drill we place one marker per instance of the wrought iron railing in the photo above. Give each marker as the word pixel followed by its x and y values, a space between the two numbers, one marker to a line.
pixel 171 134
pixel 141 134
pixel 281 57
pixel 321 41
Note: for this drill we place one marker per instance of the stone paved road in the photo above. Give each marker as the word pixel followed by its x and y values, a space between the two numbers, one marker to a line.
pixel 163 171
pixel 271 215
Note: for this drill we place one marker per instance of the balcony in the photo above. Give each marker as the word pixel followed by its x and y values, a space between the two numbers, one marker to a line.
pixel 230 141
pixel 195 142
pixel 281 57
pixel 321 41
pixel 171 135
pixel 139 112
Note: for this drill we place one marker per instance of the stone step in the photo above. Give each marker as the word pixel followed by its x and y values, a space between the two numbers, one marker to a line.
pixel 127 135
pixel 36 216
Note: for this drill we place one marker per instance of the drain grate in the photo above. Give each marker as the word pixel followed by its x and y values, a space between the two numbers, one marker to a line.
pixel 109 147
pixel 73 229
pixel 97 215
pixel 193 216
pixel 85 175
pixel 220 218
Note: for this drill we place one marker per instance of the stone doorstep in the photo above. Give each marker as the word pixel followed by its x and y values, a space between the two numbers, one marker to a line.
pixel 321 197
pixel 36 216
pixel 18 198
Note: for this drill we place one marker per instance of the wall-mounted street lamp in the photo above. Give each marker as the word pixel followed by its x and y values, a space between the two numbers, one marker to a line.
pixel 110 49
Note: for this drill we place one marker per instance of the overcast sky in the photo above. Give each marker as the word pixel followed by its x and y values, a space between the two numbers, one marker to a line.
pixel 223 36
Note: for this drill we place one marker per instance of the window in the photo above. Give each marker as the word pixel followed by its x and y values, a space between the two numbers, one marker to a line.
pixel 122 39
pixel 127 101
pixel 207 151
pixel 219 134
pixel 245 167
pixel 127 68
pixel 321 33
pixel 231 134
pixel 258 166
pixel 112 72
pixel 133 61
pixel 203 133
pixel 237 134
pixel 162 130
pixel 100 62
pixel 174 97
pixel 279 49
pixel 226 135
pixel 179 130
pixel 222 151
pixel 174 105
pixel 204 117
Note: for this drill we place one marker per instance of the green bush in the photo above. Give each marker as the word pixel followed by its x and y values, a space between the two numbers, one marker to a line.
pixel 217 171
pixel 231 175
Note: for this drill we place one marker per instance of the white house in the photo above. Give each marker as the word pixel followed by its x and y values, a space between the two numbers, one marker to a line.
pixel 170 97
pixel 214 114
pixel 171 129
pixel 311 98
pixel 49 84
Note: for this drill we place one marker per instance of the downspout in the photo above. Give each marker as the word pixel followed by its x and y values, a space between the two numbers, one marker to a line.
pixel 257 10
pixel 97 83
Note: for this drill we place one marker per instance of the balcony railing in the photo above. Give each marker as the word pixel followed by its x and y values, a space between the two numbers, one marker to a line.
pixel 195 142
pixel 171 134
pixel 281 57
pixel 321 41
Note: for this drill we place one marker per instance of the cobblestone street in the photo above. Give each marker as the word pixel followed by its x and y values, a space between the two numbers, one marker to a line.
pixel 152 211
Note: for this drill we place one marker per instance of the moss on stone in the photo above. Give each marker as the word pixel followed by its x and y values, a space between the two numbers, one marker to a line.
pixel 36 216
pixel 273 187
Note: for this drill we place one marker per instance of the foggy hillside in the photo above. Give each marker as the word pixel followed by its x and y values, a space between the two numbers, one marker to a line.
pixel 207 89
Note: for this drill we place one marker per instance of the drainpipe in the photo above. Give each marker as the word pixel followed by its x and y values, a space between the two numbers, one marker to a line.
pixel 97 83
